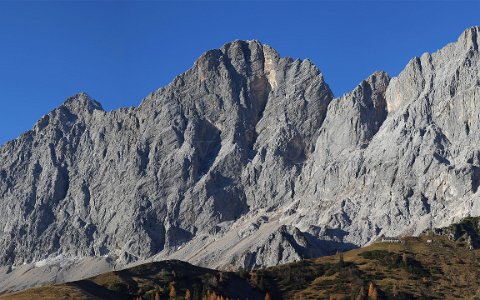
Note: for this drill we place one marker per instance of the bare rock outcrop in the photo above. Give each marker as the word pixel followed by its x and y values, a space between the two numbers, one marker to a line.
pixel 247 160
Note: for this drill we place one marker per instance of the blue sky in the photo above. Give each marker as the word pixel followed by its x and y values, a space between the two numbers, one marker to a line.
pixel 119 51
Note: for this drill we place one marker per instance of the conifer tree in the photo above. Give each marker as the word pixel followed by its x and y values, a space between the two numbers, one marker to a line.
pixel 372 291
pixel 211 296
pixel 362 295
pixel 341 262
pixel 196 292
pixel 405 258
pixel 394 290
pixel 172 293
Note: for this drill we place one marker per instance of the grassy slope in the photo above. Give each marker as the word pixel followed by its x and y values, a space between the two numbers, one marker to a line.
pixel 439 270
pixel 147 280
pixel 442 269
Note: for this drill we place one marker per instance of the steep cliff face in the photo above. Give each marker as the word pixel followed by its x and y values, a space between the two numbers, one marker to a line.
pixel 133 182
pixel 248 160
pixel 419 168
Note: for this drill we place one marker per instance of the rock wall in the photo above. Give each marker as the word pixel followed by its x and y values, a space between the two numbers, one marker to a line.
pixel 247 160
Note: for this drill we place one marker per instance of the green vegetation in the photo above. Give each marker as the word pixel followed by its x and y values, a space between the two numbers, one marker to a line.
pixel 396 260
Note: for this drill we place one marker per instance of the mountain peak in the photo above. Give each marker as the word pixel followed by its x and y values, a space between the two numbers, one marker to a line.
pixel 470 38
pixel 239 50
pixel 82 102
pixel 241 140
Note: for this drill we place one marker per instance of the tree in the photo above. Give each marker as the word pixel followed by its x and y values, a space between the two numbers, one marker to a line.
pixel 222 277
pixel 261 282
pixel 187 295
pixel 157 296
pixel 341 262
pixel 395 290
pixel 196 292
pixel 267 296
pixel 362 295
pixel 405 258
pixel 212 296
pixel 242 272
pixel 172 293
pixel 372 291
pixel 213 281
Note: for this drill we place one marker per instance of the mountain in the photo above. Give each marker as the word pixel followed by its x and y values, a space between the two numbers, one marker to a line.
pixel 434 265
pixel 245 160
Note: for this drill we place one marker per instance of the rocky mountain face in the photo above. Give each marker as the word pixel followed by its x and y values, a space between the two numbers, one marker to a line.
pixel 247 159
pixel 420 168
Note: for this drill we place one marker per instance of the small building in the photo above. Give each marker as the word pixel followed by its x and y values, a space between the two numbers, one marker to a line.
pixel 386 239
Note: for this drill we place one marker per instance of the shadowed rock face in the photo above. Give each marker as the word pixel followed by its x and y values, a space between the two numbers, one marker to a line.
pixel 247 160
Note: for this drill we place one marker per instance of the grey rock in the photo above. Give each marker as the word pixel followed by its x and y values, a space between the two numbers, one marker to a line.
pixel 247 160
pixel 51 271
pixel 419 170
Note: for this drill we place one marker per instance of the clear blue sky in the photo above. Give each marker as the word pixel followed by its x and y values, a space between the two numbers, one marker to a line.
pixel 118 52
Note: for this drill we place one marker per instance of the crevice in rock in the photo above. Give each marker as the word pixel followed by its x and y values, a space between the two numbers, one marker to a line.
pixel 61 184
pixel 143 158
pixel 425 204
pixel 207 143
pixel 475 178
pixel 86 195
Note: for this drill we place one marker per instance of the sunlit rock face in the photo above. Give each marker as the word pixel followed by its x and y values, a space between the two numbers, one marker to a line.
pixel 247 159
